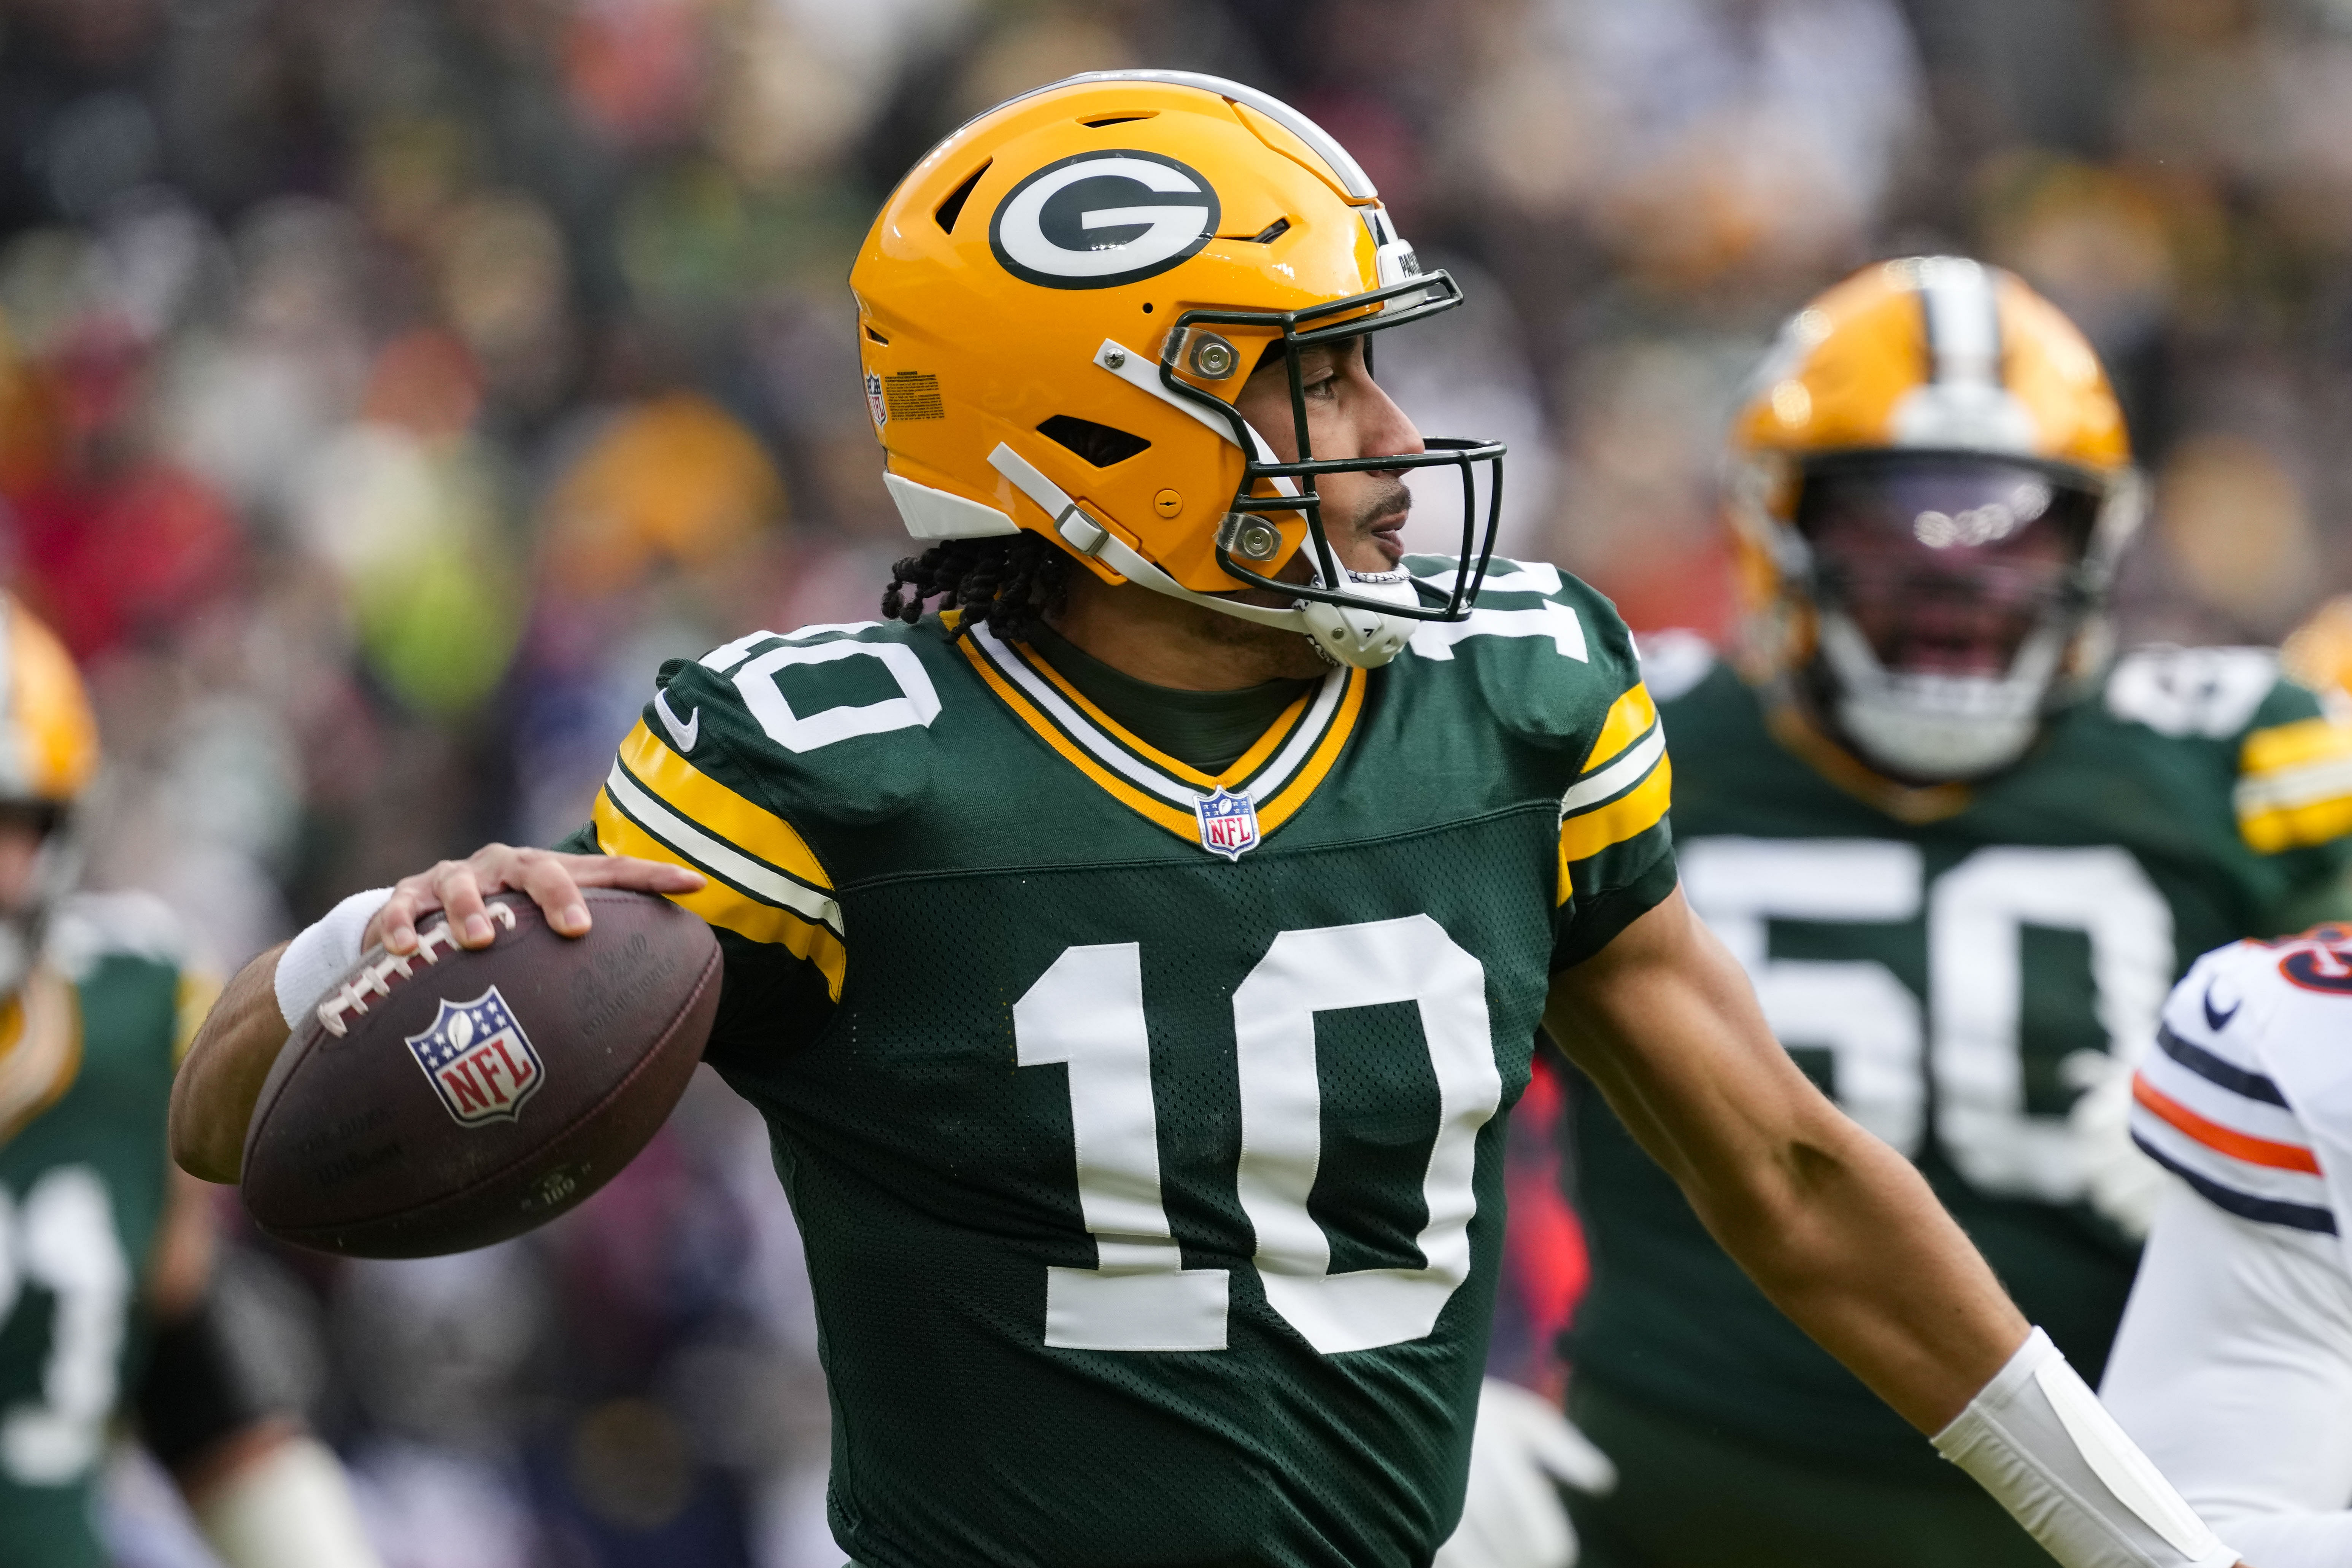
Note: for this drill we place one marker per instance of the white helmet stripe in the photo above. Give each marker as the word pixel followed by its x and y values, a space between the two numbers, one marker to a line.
pixel 1963 322
pixel 1345 169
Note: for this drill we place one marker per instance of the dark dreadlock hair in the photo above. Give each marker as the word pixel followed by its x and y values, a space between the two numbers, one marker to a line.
pixel 1011 582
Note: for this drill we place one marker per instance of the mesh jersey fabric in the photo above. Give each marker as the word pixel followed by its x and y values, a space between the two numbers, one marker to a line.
pixel 1024 1040
pixel 85 1183
pixel 1949 982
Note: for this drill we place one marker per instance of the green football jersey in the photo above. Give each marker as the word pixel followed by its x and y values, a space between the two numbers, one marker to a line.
pixel 1955 983
pixel 83 1186
pixel 1144 1127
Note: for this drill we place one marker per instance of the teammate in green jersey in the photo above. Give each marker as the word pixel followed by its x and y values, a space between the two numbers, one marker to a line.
pixel 1963 858
pixel 1133 962
pixel 105 1250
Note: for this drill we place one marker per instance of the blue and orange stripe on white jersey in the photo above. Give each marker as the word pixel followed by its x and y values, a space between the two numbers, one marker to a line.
pixel 2204 1107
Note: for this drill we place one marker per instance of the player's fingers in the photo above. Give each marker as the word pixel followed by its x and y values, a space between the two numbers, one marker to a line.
pixel 460 889
pixel 627 871
pixel 548 880
pixel 394 925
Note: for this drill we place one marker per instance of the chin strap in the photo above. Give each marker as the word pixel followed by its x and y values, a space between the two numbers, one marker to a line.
pixel 1363 638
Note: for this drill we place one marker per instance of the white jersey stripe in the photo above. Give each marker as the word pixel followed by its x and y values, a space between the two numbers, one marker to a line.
pixel 2256 1191
pixel 2255 1117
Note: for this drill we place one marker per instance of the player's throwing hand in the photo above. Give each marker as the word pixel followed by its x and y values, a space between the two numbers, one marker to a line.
pixel 552 880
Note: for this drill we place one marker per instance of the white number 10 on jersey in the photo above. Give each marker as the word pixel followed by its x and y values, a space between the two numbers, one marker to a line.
pixel 1087 1012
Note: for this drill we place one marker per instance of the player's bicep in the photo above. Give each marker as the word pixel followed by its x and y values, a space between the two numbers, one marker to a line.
pixel 1663 1019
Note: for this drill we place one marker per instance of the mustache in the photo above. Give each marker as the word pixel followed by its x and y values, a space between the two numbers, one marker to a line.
pixel 1395 505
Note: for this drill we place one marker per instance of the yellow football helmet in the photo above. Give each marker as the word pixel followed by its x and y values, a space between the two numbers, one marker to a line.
pixel 48 754
pixel 1059 303
pixel 1930 485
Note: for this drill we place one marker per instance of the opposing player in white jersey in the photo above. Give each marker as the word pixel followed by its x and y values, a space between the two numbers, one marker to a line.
pixel 2233 1366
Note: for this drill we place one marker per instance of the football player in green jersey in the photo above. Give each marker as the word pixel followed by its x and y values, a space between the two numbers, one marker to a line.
pixel 1963 855
pixel 105 1250
pixel 1133 961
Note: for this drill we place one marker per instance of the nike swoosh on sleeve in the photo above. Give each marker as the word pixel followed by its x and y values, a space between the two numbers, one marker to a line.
pixel 684 734
pixel 2215 1020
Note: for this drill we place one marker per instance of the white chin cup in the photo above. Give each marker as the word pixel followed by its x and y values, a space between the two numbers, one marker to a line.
pixel 1943 727
pixel 1360 637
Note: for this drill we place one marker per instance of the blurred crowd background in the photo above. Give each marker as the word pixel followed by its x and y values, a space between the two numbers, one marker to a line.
pixel 387 386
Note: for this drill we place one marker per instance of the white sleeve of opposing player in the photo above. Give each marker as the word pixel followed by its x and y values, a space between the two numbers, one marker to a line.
pixel 2233 1370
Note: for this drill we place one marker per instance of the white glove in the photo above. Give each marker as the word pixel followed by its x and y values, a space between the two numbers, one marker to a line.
pixel 1523 1451
pixel 2122 1184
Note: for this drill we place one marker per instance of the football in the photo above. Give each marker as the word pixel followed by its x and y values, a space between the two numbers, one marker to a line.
pixel 453 1098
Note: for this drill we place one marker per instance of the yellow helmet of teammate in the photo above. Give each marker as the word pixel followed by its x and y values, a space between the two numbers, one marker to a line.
pixel 1059 304
pixel 48 753
pixel 1930 485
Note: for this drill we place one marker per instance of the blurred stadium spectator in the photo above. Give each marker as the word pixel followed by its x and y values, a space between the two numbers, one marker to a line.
pixel 387 386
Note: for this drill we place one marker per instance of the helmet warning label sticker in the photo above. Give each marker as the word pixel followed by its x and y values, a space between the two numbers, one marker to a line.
pixel 1101 219
pixel 911 394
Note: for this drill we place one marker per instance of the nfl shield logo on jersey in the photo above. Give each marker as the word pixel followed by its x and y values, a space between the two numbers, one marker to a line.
pixel 1228 823
pixel 481 1063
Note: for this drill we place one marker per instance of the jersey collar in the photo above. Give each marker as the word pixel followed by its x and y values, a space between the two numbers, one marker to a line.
pixel 1278 774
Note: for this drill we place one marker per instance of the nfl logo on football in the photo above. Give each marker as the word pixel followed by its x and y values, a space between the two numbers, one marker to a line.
pixel 1228 823
pixel 480 1062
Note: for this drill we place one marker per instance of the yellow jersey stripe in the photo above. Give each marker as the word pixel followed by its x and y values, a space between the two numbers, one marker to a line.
pixel 1183 823
pixel 1628 770
pixel 1628 717
pixel 1582 837
pixel 1287 800
pixel 725 906
pixel 2266 832
pixel 692 846
pixel 2294 745
pixel 718 810
pixel 2290 787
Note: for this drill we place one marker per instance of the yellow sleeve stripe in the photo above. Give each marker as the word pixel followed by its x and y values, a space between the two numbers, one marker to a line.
pixel 2268 831
pixel 1628 717
pixel 717 810
pixel 725 906
pixel 2294 745
pixel 1633 813
pixel 689 845
pixel 2294 785
pixel 1629 768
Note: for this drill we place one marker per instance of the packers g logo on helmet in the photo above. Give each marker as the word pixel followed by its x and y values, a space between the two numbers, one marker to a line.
pixel 1100 219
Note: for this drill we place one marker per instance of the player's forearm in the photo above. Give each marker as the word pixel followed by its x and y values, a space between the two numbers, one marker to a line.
pixel 218 1084
pixel 1846 1238
pixel 1838 1229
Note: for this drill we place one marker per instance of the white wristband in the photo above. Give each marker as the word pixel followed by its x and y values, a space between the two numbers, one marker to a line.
pixel 2040 1441
pixel 288 1508
pixel 317 958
